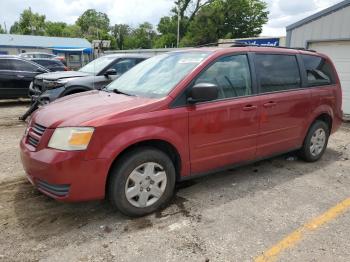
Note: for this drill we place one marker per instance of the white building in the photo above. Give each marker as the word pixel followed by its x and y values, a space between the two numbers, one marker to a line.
pixel 77 51
pixel 327 32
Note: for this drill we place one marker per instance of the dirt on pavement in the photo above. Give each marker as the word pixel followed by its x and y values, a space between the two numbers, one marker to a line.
pixel 229 216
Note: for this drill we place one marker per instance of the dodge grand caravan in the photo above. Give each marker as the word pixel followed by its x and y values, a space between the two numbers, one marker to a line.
pixel 179 115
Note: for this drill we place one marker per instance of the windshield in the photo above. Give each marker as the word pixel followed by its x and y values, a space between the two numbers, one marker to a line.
pixel 97 65
pixel 157 76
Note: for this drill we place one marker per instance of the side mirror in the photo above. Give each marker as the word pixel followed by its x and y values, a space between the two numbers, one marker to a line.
pixel 203 92
pixel 110 72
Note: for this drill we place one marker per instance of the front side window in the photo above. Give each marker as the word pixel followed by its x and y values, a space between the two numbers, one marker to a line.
pixel 277 72
pixel 20 65
pixel 97 65
pixel 157 76
pixel 231 74
pixel 318 71
pixel 124 65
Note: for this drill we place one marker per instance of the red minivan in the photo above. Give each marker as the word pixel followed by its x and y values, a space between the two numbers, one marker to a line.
pixel 180 115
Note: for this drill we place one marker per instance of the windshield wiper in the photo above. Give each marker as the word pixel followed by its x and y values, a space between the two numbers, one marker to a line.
pixel 115 90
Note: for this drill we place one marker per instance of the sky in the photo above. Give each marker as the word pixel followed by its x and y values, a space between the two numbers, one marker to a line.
pixel 134 12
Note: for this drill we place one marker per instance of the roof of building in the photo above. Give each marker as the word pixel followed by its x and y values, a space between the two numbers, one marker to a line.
pixel 320 14
pixel 42 41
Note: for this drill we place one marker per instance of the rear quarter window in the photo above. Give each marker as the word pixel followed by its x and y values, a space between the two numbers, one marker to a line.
pixel 277 72
pixel 319 71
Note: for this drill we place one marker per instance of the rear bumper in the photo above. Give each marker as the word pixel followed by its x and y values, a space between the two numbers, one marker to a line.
pixel 65 176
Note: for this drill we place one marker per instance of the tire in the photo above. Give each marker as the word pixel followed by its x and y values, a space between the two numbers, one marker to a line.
pixel 315 142
pixel 141 182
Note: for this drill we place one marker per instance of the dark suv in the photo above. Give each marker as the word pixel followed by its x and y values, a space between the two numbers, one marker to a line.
pixel 53 65
pixel 16 74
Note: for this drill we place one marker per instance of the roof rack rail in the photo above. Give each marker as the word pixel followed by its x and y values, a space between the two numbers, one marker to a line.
pixel 242 44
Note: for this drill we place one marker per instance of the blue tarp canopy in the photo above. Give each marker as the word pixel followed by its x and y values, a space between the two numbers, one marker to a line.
pixel 85 50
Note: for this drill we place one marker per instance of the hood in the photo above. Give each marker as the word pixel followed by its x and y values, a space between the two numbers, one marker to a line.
pixel 61 75
pixel 87 107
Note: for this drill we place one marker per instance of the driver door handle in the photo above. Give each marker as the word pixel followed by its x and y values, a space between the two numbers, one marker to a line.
pixel 20 76
pixel 270 104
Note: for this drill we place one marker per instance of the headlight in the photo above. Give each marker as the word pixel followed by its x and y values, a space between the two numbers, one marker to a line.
pixel 57 83
pixel 71 138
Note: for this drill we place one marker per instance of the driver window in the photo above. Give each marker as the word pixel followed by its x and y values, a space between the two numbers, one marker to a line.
pixel 231 74
pixel 123 65
pixel 20 65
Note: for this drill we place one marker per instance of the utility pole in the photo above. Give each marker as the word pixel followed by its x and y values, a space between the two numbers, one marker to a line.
pixel 178 24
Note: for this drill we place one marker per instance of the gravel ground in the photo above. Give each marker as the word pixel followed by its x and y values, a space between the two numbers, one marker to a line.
pixel 229 216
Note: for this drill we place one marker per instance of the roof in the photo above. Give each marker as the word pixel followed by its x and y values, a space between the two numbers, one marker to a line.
pixel 320 14
pixel 42 41
pixel 128 55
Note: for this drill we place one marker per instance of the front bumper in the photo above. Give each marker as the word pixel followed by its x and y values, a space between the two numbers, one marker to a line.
pixel 45 96
pixel 63 175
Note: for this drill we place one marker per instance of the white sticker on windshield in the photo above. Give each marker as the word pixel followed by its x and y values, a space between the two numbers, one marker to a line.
pixel 190 61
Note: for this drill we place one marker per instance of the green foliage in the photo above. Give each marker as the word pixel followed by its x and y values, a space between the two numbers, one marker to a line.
pixel 2 31
pixel 55 28
pixel 120 32
pixel 201 22
pixel 93 24
pixel 204 22
pixel 72 31
pixel 165 41
pixel 141 37
pixel 29 24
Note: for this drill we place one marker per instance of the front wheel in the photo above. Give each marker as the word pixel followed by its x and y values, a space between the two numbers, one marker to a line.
pixel 315 142
pixel 142 181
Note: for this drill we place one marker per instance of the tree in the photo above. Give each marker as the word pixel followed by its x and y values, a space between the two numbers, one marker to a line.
pixel 188 9
pixel 167 27
pixel 141 37
pixel 243 18
pixel 72 31
pixel 226 19
pixel 29 24
pixel 93 24
pixel 2 31
pixel 120 32
pixel 55 28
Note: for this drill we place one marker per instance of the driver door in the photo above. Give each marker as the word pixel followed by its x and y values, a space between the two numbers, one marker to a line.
pixel 23 74
pixel 224 131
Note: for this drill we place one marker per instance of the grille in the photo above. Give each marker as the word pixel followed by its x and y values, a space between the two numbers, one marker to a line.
pixel 58 190
pixel 33 141
pixel 34 136
pixel 39 129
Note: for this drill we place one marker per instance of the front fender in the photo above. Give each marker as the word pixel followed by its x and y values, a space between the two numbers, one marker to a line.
pixel 72 89
pixel 113 148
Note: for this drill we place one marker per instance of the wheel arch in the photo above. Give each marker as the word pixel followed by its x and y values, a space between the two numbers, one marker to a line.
pixel 326 118
pixel 163 145
pixel 70 90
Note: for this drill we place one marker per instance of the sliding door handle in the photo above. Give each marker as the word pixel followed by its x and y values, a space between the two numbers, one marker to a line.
pixel 249 108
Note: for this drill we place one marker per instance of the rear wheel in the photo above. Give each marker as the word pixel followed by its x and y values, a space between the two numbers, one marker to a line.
pixel 315 142
pixel 142 181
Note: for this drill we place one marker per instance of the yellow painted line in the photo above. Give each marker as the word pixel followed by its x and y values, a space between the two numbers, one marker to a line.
pixel 296 236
